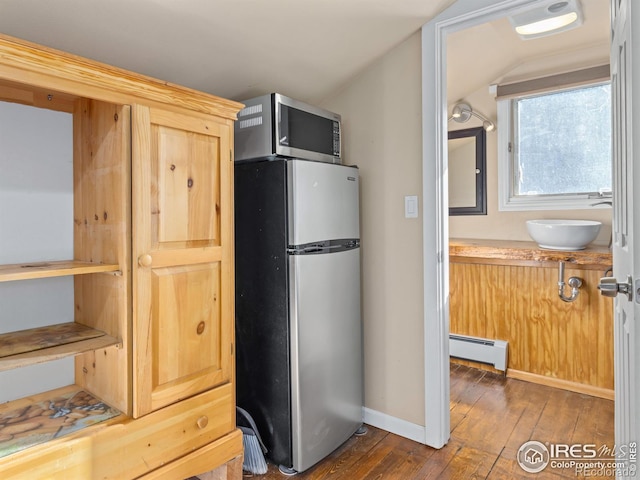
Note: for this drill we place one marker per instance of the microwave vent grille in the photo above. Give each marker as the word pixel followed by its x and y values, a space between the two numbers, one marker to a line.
pixel 251 110
pixel 250 122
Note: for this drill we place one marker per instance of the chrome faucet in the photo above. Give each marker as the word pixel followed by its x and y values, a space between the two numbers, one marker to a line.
pixel 610 203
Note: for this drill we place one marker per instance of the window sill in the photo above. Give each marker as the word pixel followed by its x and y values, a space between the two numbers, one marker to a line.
pixel 528 204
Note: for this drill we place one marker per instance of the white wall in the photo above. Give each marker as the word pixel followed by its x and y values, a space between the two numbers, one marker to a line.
pixel 36 224
pixel 381 111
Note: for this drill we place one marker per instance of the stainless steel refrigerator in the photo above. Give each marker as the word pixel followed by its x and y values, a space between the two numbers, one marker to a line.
pixel 298 323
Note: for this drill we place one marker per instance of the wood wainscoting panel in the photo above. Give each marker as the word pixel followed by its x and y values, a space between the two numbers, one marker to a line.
pixel 547 336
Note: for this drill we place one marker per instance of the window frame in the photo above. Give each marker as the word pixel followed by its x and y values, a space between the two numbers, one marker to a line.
pixel 507 201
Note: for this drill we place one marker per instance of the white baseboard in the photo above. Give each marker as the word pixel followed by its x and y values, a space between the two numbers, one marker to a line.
pixel 394 425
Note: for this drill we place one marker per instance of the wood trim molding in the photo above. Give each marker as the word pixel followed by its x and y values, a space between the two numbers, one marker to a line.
pixel 394 425
pixel 43 67
pixel 605 393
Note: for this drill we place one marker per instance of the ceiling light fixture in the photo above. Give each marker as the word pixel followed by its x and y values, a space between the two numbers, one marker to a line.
pixel 549 18
pixel 462 112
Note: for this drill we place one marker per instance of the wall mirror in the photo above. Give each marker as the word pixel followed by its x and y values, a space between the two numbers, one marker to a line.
pixel 467 172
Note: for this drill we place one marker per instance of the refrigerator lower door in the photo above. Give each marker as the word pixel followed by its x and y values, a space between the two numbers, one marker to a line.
pixel 326 353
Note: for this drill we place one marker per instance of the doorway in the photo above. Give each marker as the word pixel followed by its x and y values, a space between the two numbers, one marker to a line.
pixel 461 16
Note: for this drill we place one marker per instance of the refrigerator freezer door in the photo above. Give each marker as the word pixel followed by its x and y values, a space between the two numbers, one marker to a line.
pixel 323 202
pixel 326 353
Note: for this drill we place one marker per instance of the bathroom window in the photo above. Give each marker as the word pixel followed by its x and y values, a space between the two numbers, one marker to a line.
pixel 555 149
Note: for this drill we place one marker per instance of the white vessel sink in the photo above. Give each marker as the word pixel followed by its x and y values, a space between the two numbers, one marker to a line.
pixel 563 234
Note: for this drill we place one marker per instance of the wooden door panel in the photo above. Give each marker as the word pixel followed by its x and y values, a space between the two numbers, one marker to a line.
pixel 186 322
pixel 188 186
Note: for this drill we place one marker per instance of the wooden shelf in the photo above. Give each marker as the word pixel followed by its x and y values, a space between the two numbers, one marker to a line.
pixel 507 252
pixel 26 271
pixel 46 416
pixel 43 344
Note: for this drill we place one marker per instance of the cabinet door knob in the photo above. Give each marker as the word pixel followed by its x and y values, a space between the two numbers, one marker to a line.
pixel 202 422
pixel 145 260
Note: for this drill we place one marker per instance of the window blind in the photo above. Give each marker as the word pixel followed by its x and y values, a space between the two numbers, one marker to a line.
pixel 585 76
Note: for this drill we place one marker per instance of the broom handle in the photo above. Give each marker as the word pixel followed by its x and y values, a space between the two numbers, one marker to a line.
pixel 249 419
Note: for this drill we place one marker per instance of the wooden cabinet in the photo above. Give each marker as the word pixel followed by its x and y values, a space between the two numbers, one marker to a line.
pixel 152 327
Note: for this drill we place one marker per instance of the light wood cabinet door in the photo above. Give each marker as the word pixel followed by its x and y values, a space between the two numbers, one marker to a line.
pixel 183 255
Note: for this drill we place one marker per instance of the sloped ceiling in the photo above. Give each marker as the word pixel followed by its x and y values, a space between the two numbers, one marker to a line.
pixel 235 49
pixel 493 52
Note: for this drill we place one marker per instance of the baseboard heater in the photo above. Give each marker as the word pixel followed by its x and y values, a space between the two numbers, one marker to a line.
pixel 483 350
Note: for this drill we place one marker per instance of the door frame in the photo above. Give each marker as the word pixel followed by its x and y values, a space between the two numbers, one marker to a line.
pixel 459 16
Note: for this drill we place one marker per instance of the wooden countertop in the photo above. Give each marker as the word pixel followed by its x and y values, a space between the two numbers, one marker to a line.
pixel 510 252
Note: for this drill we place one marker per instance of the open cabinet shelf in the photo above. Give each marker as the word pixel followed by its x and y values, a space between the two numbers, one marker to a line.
pixel 49 415
pixel 27 271
pixel 43 344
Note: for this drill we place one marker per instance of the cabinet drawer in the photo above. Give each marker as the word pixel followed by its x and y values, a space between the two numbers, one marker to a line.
pixel 130 448
pixel 221 459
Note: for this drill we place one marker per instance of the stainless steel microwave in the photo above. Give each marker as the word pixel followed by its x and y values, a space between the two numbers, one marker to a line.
pixel 273 125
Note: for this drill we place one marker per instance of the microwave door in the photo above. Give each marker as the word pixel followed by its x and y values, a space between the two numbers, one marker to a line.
pixel 304 133
pixel 282 132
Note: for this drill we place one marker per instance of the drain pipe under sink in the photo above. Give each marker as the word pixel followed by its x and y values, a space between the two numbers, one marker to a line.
pixel 574 282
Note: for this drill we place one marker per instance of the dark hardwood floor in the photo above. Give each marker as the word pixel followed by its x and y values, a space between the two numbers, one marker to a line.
pixel 491 417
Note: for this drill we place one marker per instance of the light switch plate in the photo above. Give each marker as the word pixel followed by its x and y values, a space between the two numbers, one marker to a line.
pixel 411 206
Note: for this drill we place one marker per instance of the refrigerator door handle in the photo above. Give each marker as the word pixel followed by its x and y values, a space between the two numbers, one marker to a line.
pixel 329 246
